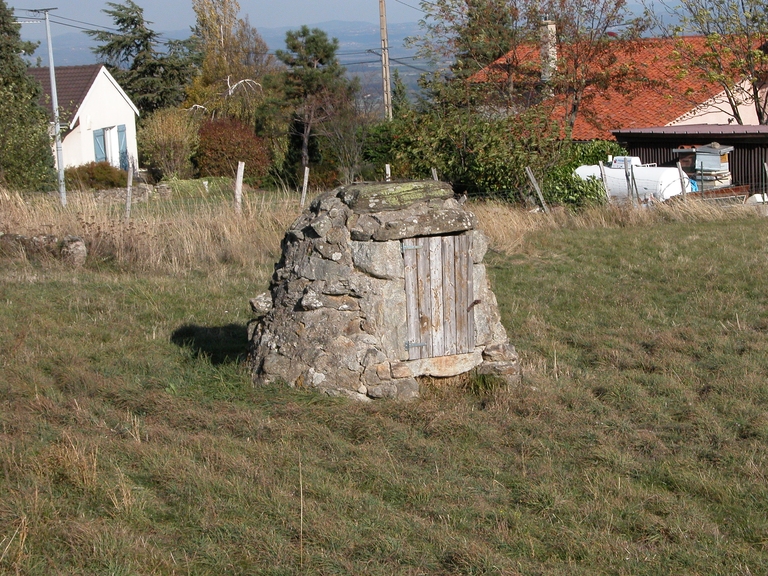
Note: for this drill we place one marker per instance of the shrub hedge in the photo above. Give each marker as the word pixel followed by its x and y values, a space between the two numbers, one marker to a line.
pixel 225 142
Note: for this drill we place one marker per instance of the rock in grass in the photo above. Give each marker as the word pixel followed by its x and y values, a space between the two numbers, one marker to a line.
pixel 69 249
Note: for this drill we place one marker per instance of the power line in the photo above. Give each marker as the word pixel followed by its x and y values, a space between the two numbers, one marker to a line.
pixel 412 7
pixel 410 65
pixel 91 27
pixel 361 62
pixel 86 23
pixel 456 12
pixel 353 53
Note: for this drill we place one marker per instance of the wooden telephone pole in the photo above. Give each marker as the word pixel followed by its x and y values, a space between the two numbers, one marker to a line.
pixel 387 84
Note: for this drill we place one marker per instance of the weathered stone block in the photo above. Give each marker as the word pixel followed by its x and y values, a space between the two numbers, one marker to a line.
pixel 375 197
pixel 428 224
pixel 318 268
pixel 445 366
pixel 378 259
pixel 502 352
pixel 311 301
pixel 330 251
pixel 479 246
pixel 499 368
pixel 488 327
pixel 262 303
pixel 401 370
pixel 362 227
pixel 337 235
pixel 383 308
pixel 321 225
pixel 343 303
pixel 383 391
pixel 73 251
pixel 383 371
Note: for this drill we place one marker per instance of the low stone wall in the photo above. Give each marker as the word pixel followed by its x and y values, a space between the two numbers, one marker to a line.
pixel 139 193
pixel 69 249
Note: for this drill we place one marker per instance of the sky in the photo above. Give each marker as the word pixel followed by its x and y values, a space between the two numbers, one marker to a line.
pixel 178 14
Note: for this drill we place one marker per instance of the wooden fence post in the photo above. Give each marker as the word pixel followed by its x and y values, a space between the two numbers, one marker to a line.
pixel 605 181
pixel 634 184
pixel 128 188
pixel 239 188
pixel 304 187
pixel 535 184
pixel 682 179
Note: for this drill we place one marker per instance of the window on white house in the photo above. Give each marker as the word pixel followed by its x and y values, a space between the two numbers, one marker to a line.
pixel 111 145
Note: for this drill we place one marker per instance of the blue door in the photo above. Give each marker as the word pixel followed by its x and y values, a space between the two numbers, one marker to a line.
pixel 99 146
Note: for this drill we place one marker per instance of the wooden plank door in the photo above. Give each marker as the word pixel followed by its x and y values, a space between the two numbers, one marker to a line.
pixel 439 296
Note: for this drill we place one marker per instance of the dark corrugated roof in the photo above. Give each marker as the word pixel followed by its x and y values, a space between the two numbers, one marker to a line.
pixel 72 85
pixel 696 130
pixel 694 134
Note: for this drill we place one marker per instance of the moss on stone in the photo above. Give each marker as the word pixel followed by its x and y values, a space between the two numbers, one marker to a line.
pixel 376 197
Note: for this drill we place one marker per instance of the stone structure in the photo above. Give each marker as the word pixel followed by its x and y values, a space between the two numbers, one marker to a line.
pixel 378 285
pixel 70 249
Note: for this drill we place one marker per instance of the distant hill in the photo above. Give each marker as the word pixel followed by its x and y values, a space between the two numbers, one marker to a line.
pixel 359 49
pixel 355 40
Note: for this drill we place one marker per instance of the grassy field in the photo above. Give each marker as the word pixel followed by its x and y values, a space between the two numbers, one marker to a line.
pixel 132 441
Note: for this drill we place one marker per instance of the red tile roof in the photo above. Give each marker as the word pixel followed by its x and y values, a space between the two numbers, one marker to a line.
pixel 72 85
pixel 663 93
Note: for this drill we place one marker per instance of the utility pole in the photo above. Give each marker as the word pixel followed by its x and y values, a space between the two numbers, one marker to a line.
pixel 387 84
pixel 55 104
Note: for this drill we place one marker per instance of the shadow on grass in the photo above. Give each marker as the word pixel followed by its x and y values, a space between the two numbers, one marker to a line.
pixel 221 344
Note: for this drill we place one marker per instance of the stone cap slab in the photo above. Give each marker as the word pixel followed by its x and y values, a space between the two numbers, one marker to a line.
pixel 382 196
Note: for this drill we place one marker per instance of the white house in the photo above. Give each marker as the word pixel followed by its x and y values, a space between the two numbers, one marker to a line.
pixel 98 118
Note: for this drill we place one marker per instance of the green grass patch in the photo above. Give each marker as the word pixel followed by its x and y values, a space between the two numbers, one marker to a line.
pixel 132 440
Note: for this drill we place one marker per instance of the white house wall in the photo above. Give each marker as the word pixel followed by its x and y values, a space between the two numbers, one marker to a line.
pixel 717 110
pixel 104 107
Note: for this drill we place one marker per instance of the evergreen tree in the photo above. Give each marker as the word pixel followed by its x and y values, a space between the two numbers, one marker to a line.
pixel 26 157
pixel 400 102
pixel 314 79
pixel 153 80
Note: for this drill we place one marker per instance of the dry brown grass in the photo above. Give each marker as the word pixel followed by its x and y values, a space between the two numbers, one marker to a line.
pixel 177 236
pixel 507 225
pixel 163 235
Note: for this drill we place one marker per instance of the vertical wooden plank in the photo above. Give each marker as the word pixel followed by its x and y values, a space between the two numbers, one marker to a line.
pixel 462 296
pixel 411 298
pixel 424 289
pixel 470 296
pixel 449 293
pixel 436 294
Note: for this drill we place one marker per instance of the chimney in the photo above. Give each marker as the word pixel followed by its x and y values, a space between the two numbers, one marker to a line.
pixel 548 50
